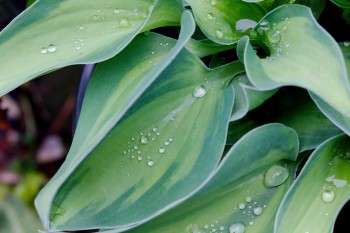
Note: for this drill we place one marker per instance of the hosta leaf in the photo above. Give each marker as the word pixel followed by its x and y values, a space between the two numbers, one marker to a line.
pixel 52 34
pixel 159 148
pixel 320 191
pixel 294 108
pixel 342 3
pixel 246 96
pixel 17 218
pixel 225 21
pixel 237 191
pixel 114 87
pixel 302 54
pixel 205 48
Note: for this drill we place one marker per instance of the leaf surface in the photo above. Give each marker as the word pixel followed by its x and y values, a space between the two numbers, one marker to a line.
pixel 51 34
pixel 326 178
pixel 115 86
pixel 225 21
pixel 237 188
pixel 302 54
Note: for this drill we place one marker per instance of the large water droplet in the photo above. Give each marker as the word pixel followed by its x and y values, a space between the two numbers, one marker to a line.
pixel 210 16
pixel 150 163
pixel 218 33
pixel 161 150
pixel 258 210
pixel 237 228
pixel 328 196
pixel 43 50
pixel 273 36
pixel 144 140
pixel 124 23
pixel 51 48
pixel 275 176
pixel 199 92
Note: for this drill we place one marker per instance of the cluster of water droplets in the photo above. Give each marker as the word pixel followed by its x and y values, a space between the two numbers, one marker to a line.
pixel 215 227
pixel 49 49
pixel 272 33
pixel 136 145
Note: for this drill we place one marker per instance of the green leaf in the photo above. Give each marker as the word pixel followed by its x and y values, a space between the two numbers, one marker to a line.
pixel 159 148
pixel 301 53
pixel 17 218
pixel 165 13
pixel 326 178
pixel 51 34
pixel 342 3
pixel 203 48
pixel 247 97
pixel 225 21
pixel 237 188
pixel 116 84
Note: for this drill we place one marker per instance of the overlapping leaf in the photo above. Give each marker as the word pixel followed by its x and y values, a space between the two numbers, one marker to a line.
pixel 320 191
pixel 303 54
pixel 159 148
pixel 17 218
pixel 226 21
pixel 237 193
pixel 115 86
pixel 52 34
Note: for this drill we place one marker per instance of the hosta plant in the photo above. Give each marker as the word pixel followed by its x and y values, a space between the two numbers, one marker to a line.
pixel 238 123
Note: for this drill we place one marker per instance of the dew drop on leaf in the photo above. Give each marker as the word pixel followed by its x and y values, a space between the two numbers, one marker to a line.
pixel 248 199
pixel 210 16
pixel 124 23
pixel 52 48
pixel 161 150
pixel 346 43
pixel 241 206
pixel 43 50
pixel 258 211
pixel 144 140
pixel 237 228
pixel 199 92
pixel 328 196
pixel 150 163
pixel 213 2
pixel 275 176
pixel 218 33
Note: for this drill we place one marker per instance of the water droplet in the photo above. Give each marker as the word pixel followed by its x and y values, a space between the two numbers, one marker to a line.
pixel 150 163
pixel 199 92
pixel 263 27
pixel 237 228
pixel 139 158
pixel 241 206
pixel 124 23
pixel 166 143
pixel 273 36
pixel 161 150
pixel 346 43
pixel 206 226
pixel 170 139
pixel 116 10
pixel 144 140
pixel 218 33
pixel 251 223
pixel 213 2
pixel 81 27
pixel 275 176
pixel 258 210
pixel 155 129
pixel 328 196
pixel 43 50
pixel 222 228
pixel 248 199
pixel 210 16
pixel 51 48
pixel 133 139
pixel 95 17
